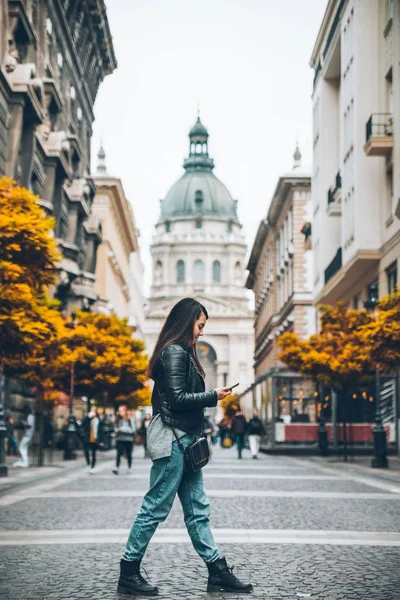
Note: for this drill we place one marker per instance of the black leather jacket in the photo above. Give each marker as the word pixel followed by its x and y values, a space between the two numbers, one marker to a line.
pixel 178 393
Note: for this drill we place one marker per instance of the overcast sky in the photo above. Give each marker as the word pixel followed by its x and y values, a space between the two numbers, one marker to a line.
pixel 245 62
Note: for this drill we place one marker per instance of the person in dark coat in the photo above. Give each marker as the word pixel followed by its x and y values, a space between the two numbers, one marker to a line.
pixel 238 428
pixel 255 430
pixel 93 436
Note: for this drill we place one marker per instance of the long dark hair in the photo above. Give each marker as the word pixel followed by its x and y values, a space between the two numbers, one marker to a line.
pixel 178 329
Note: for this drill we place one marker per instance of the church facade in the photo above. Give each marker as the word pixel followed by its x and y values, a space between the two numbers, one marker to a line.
pixel 199 250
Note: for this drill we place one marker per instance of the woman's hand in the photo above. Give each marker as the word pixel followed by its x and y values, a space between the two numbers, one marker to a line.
pixel 223 392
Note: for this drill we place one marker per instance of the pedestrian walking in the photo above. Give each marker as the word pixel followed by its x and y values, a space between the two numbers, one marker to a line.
pixel 224 434
pixel 255 430
pixel 28 423
pixel 143 432
pixel 238 428
pixel 93 436
pixel 178 400
pixel 12 440
pixel 125 431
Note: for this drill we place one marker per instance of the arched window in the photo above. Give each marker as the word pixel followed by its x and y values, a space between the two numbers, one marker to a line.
pixel 216 271
pixel 199 199
pixel 198 273
pixel 180 271
pixel 158 273
pixel 167 226
pixel 238 274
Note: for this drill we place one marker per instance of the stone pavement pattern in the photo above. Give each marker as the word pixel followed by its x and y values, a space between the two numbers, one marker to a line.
pixel 273 519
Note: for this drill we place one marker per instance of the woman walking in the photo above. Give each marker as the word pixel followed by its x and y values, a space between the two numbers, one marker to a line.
pixel 93 436
pixel 125 435
pixel 178 400
pixel 29 429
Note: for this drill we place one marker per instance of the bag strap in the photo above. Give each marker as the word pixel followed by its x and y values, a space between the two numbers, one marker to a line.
pixel 181 446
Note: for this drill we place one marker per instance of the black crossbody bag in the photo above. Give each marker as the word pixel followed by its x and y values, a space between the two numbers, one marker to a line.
pixel 195 456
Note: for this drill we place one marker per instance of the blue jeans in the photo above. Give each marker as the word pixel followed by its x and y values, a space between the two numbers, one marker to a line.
pixel 240 443
pixel 167 478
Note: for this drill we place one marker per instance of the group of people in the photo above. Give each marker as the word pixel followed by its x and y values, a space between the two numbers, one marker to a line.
pixel 125 429
pixel 91 431
pixel 239 428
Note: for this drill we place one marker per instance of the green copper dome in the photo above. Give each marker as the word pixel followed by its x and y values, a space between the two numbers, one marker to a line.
pixel 198 192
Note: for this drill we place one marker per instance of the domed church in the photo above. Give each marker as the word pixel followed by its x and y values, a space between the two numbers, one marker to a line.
pixel 199 250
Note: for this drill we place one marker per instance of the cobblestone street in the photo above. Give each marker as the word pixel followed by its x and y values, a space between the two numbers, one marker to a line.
pixel 297 528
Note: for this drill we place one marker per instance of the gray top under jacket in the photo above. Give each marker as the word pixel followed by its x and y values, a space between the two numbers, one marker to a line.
pixel 160 438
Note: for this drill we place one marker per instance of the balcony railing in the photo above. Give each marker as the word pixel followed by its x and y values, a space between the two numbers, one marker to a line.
pixel 379 134
pixel 333 266
pixel 335 196
pixel 379 125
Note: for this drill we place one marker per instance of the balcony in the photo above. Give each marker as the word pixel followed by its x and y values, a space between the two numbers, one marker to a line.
pixel 379 135
pixel 335 198
pixel 333 266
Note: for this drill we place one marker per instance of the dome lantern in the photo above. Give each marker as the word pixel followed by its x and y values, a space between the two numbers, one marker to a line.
pixel 198 191
pixel 198 159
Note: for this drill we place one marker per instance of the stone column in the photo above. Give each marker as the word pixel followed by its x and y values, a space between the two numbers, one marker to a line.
pixel 50 171
pixel 14 135
pixel 91 252
pixel 28 146
pixel 73 218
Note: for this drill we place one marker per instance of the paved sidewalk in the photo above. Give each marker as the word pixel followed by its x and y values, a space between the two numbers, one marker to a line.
pixel 297 528
pixel 22 476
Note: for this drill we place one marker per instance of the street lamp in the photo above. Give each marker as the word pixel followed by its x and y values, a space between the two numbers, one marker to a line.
pixel 3 431
pixel 69 451
pixel 379 459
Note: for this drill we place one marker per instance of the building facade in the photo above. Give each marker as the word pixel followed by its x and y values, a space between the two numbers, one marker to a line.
pixel 199 250
pixel 115 269
pixel 356 137
pixel 48 86
pixel 280 268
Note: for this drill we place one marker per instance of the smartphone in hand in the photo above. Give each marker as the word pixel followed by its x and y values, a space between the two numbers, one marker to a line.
pixel 232 386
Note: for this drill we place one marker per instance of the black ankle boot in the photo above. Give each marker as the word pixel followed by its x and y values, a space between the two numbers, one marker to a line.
pixel 131 582
pixel 221 578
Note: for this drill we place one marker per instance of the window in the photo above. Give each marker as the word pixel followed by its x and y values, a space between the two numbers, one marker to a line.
pixel 373 293
pixel 199 224
pixel 238 274
pixel 216 271
pixel 167 226
pixel 158 273
pixel 391 274
pixel 180 271
pixel 199 199
pixel 229 227
pixel 198 271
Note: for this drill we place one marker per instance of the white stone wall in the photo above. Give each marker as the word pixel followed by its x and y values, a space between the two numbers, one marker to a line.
pixel 353 84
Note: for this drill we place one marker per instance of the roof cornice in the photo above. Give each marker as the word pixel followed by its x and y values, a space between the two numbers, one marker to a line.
pixel 256 250
pixel 330 11
pixel 121 209
pixel 284 185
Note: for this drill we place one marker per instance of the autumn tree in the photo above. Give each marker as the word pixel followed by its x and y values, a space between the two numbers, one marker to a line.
pixel 27 257
pixel 108 361
pixel 381 334
pixel 336 356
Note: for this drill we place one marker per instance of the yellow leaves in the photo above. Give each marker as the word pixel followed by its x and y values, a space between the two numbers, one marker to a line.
pixel 26 239
pixel 36 343
pixel 230 405
pixel 349 344
pixel 105 356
